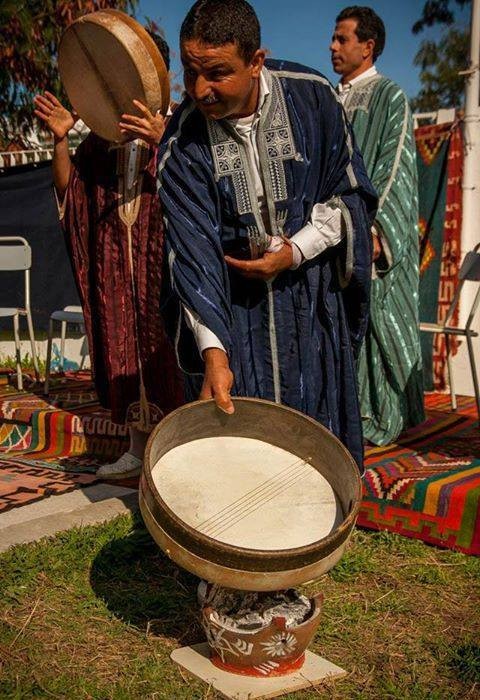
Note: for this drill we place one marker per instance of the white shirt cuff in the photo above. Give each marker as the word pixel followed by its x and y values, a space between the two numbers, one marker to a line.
pixel 322 231
pixel 277 242
pixel 204 337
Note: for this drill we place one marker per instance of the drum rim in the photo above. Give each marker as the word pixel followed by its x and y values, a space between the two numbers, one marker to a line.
pixel 160 66
pixel 98 18
pixel 232 555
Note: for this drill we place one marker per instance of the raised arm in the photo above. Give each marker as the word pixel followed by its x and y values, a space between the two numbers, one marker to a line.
pixel 59 121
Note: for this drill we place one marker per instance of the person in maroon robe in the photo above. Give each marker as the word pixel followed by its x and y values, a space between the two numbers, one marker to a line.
pixel 112 219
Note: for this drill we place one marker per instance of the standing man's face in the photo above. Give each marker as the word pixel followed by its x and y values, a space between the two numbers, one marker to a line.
pixel 219 80
pixel 349 55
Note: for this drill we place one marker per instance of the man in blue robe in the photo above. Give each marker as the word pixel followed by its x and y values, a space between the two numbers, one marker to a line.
pixel 268 211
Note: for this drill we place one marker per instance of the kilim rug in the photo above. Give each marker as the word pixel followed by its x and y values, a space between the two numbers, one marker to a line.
pixel 427 485
pixel 53 446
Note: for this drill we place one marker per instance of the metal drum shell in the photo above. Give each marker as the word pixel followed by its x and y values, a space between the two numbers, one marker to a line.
pixel 96 83
pixel 238 567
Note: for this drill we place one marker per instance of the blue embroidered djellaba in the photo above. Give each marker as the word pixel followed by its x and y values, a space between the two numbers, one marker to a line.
pixel 293 339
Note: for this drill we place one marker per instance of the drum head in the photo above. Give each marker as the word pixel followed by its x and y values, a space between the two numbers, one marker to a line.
pixel 247 493
pixel 106 60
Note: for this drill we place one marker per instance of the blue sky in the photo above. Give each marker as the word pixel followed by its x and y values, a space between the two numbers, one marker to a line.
pixel 300 30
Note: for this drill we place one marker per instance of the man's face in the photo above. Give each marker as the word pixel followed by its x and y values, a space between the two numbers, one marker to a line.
pixel 349 55
pixel 219 80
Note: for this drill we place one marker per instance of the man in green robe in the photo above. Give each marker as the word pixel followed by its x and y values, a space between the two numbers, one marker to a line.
pixel 390 367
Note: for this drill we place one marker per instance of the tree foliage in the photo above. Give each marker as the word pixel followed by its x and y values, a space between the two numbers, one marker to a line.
pixel 439 64
pixel 441 61
pixel 31 31
pixel 437 12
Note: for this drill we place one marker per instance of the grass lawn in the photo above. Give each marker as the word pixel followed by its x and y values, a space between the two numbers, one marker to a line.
pixel 95 613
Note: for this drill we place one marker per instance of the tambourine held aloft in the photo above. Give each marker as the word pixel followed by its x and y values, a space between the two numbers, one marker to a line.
pixel 106 60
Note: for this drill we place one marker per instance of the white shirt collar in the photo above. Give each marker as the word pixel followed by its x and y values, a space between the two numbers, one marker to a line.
pixel 369 73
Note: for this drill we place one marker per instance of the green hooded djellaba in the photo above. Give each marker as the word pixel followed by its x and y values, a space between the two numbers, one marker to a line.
pixel 390 366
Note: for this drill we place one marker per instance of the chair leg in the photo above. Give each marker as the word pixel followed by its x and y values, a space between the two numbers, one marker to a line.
pixel 16 335
pixel 471 356
pixel 453 397
pixel 48 361
pixel 32 343
pixel 83 352
pixel 62 344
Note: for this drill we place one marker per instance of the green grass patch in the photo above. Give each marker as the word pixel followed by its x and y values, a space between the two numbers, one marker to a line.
pixel 465 661
pixel 26 363
pixel 94 613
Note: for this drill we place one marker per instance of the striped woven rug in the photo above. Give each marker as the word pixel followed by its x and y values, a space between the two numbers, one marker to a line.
pixel 53 446
pixel 427 485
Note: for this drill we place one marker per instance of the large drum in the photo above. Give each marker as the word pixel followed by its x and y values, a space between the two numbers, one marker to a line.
pixel 106 60
pixel 261 500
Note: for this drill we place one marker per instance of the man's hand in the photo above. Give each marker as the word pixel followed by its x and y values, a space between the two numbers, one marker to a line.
pixel 266 267
pixel 218 379
pixel 377 248
pixel 149 127
pixel 58 119
pixel 377 244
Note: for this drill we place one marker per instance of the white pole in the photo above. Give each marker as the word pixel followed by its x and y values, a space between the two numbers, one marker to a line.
pixel 471 166
pixel 471 188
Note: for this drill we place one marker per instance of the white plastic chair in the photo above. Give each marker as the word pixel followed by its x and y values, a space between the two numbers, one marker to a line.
pixel 70 314
pixel 469 271
pixel 18 258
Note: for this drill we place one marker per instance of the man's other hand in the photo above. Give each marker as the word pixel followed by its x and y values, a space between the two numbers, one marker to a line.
pixel 58 119
pixel 218 379
pixel 148 127
pixel 377 248
pixel 266 267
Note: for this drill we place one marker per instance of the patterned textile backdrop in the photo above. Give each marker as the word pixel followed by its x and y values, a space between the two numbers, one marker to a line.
pixel 439 161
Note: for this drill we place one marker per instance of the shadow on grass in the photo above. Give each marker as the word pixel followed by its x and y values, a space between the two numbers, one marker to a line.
pixel 143 588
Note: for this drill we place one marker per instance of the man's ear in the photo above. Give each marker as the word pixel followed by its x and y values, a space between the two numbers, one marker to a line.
pixel 369 48
pixel 257 62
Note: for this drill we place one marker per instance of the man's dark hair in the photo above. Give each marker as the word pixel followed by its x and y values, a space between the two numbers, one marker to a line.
pixel 220 22
pixel 162 46
pixel 369 26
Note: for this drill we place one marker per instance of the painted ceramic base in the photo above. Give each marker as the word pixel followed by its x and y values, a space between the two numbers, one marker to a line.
pixel 269 651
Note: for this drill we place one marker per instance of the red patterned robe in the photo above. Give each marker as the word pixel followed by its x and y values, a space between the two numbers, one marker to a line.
pixel 114 232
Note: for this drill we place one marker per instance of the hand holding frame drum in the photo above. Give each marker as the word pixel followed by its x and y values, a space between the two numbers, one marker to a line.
pixel 106 60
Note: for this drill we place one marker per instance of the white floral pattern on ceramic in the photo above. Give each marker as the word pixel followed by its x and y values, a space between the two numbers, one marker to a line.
pixel 280 644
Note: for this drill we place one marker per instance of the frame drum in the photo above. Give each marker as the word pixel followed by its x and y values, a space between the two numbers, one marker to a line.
pixel 262 500
pixel 107 59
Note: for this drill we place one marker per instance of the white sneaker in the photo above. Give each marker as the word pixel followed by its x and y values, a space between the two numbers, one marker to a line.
pixel 127 465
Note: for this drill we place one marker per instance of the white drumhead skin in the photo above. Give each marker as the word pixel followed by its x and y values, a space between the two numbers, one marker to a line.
pixel 247 493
